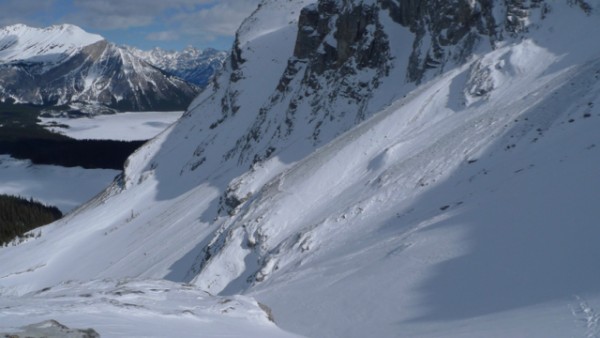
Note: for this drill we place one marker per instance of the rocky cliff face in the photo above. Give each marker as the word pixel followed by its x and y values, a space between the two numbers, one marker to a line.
pixel 349 59
pixel 340 54
pixel 343 53
pixel 450 31
pixel 333 32
pixel 444 31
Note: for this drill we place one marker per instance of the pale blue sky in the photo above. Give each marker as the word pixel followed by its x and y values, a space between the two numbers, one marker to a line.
pixel 170 24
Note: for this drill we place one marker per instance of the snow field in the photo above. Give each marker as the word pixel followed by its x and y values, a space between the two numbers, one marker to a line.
pixel 146 308
pixel 127 126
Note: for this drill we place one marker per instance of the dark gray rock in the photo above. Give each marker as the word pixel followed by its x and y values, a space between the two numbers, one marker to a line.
pixel 439 24
pixel 51 329
pixel 357 35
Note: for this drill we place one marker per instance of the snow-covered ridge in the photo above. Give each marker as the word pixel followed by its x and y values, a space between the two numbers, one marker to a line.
pixel 50 44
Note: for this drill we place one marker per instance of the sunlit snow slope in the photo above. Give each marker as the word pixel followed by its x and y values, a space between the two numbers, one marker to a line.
pixel 463 206
pixel 50 44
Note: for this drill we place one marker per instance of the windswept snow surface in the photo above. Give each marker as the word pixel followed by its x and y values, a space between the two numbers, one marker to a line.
pixel 467 208
pixel 139 309
pixel 126 126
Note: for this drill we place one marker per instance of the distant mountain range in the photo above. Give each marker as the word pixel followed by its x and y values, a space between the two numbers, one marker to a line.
pixel 64 65
pixel 191 64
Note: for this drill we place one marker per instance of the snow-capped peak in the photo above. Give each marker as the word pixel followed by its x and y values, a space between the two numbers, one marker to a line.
pixel 62 64
pixel 22 42
pixel 191 64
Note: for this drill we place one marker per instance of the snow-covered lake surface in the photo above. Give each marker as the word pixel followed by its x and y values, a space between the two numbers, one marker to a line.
pixel 127 126
pixel 65 188
pixel 68 188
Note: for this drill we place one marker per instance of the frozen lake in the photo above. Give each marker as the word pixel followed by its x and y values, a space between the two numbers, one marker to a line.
pixel 68 188
pixel 127 126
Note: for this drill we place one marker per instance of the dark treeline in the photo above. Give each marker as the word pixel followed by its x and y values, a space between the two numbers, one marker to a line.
pixel 19 215
pixel 66 152
pixel 22 138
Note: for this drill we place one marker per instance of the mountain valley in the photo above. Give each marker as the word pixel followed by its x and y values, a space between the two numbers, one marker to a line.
pixel 357 168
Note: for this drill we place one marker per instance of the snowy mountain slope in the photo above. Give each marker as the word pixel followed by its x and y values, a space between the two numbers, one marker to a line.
pixel 460 207
pixel 51 44
pixel 191 64
pixel 492 220
pixel 63 64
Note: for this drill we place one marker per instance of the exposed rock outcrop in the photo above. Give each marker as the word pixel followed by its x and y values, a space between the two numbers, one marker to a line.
pixel 51 328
